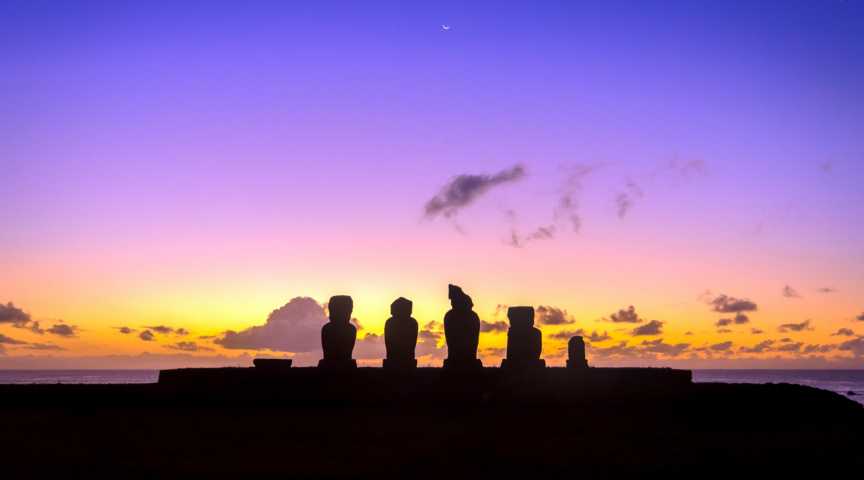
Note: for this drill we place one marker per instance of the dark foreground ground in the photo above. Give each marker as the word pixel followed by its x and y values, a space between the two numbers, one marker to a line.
pixel 372 425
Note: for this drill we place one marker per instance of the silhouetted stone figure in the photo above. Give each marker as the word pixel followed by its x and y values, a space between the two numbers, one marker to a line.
pixel 462 331
pixel 524 341
pixel 576 353
pixel 400 336
pixel 338 335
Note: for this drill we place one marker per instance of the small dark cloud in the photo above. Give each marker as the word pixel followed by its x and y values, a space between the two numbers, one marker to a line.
pixel 654 327
pixel 724 330
pixel 658 346
pixel 741 319
pixel 462 190
pixel 548 315
pixel 161 329
pixel 843 332
pixel 819 348
pixel 181 332
pixel 854 346
pixel 688 333
pixel 785 340
pixel 428 340
pixel 621 350
pixel 627 315
pixel 63 330
pixel 147 336
pixel 722 346
pixel 793 347
pixel 757 331
pixel 723 322
pixel 860 318
pixel 727 304
pixel 188 347
pixel 32 326
pixel 9 313
pixel 795 327
pixel 790 292
pixel 499 326
pixel 494 351
pixel 126 330
pixel 44 346
pixel 593 337
pixel 761 347
pixel 546 232
pixel 10 341
pixel 826 290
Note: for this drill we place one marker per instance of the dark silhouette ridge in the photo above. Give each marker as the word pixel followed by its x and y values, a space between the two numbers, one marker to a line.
pixel 576 353
pixel 236 423
pixel 272 364
pixel 524 341
pixel 338 335
pixel 400 336
pixel 461 331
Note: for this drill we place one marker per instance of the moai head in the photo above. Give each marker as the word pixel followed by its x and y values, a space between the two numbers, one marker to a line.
pixel 521 317
pixel 340 308
pixel 401 307
pixel 458 299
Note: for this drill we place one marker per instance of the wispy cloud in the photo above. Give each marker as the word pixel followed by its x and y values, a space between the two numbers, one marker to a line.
pixel 795 327
pixel 63 330
pixel 464 189
pixel 727 304
pixel 790 292
pixel 627 315
pixel 654 327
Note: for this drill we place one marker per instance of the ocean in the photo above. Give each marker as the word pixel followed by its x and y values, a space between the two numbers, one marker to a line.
pixel 839 381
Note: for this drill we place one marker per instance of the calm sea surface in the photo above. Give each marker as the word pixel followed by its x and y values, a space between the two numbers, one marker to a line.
pixel 839 381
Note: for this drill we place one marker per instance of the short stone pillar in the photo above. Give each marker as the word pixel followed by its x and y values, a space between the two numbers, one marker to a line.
pixel 576 353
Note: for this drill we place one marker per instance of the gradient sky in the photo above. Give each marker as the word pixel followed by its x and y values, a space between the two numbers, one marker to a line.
pixel 199 165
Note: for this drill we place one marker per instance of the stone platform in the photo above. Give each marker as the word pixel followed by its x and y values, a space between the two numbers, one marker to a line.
pixel 385 386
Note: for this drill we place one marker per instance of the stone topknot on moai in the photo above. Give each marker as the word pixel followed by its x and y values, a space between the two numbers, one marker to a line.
pixel 400 336
pixel 461 331
pixel 576 353
pixel 338 335
pixel 524 341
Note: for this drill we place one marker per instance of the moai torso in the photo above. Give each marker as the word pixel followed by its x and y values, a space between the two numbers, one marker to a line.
pixel 400 337
pixel 462 333
pixel 337 340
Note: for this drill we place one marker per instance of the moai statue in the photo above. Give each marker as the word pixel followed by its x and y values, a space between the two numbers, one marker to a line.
pixel 400 336
pixel 338 335
pixel 576 353
pixel 524 341
pixel 461 331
